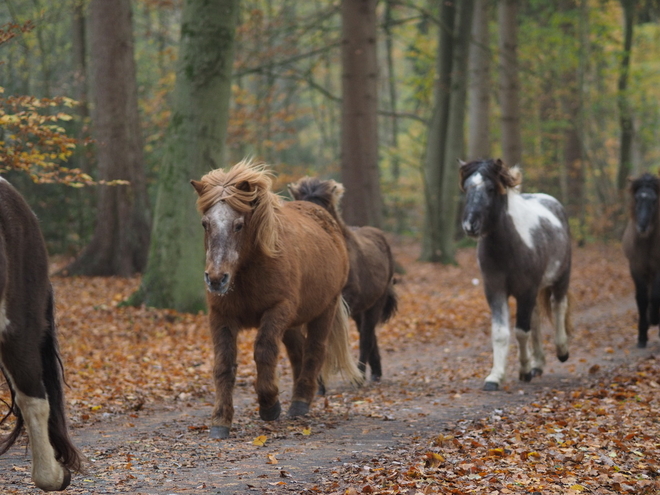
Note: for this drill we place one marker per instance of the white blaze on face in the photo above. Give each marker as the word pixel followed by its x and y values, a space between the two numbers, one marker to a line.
pixel 476 182
pixel 221 219
pixel 526 214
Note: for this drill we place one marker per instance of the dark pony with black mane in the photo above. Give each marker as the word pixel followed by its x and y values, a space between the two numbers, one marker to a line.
pixel 641 245
pixel 279 267
pixel 524 251
pixel 29 354
pixel 369 290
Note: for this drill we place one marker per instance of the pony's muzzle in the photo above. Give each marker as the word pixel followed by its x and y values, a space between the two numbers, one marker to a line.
pixel 217 285
pixel 472 226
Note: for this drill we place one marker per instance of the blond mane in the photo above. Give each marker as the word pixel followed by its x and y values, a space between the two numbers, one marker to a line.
pixel 246 187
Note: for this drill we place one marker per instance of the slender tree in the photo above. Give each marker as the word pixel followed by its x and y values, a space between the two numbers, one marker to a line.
pixel 445 142
pixel 359 123
pixel 509 82
pixel 625 111
pixel 120 241
pixel 195 145
pixel 479 84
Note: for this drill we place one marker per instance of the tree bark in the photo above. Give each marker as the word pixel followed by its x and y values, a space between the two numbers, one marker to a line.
pixel 195 145
pixel 437 132
pixel 479 85
pixel 625 112
pixel 120 241
pixel 455 139
pixel 359 124
pixel 509 83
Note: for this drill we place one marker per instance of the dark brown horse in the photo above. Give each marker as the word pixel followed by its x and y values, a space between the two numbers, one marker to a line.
pixel 369 290
pixel 28 345
pixel 278 267
pixel 641 245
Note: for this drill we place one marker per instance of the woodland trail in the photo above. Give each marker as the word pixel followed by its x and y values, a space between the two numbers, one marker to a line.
pixel 431 386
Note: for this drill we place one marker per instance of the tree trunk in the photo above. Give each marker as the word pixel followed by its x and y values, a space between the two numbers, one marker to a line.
pixel 625 112
pixel 437 132
pixel 195 145
pixel 479 85
pixel 509 84
pixel 120 241
pixel 455 139
pixel 359 124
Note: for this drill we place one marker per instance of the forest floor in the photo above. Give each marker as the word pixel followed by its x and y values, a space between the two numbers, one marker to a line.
pixel 140 399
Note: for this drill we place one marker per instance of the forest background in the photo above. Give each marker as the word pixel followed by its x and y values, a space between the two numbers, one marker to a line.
pixel 582 92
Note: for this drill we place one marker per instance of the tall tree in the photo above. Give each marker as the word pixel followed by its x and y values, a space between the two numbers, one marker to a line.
pixel 195 145
pixel 625 110
pixel 359 122
pixel 479 88
pixel 445 142
pixel 509 82
pixel 120 241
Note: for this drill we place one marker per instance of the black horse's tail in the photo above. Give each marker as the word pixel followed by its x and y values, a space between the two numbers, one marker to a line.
pixel 391 304
pixel 53 379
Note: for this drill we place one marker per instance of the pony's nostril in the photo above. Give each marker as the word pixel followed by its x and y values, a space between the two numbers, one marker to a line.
pixel 225 279
pixel 207 279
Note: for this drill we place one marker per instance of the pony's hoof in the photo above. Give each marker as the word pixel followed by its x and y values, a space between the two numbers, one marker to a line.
pixel 525 377
pixel 219 432
pixel 298 408
pixel 67 479
pixel 321 390
pixel 641 345
pixel 563 358
pixel 376 378
pixel 536 372
pixel 270 413
pixel 491 386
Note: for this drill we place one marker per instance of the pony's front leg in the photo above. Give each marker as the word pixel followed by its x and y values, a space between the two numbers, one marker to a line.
pixel 642 299
pixel 538 355
pixel 224 375
pixel 500 336
pixel 369 343
pixel 266 352
pixel 294 342
pixel 524 314
pixel 654 308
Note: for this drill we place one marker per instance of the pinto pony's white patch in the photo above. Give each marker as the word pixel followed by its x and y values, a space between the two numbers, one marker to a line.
pixel 527 212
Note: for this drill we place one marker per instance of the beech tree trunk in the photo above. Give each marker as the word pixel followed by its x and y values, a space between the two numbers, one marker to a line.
pixel 446 147
pixel 195 145
pixel 362 203
pixel 479 85
pixel 509 82
pixel 120 241
pixel 625 112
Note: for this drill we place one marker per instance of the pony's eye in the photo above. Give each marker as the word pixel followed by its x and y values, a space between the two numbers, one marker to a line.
pixel 205 224
pixel 238 226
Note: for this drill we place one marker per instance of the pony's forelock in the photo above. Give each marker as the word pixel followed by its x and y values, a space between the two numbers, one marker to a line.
pixel 246 187
pixel 505 177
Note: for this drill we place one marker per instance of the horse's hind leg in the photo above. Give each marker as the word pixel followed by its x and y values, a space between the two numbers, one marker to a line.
pixel 22 364
pixel 368 342
pixel 294 342
pixel 560 316
pixel 538 355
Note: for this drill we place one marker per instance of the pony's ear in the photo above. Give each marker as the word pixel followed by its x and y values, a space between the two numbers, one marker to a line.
pixel 199 186
pixel 292 191
pixel 499 162
pixel 461 162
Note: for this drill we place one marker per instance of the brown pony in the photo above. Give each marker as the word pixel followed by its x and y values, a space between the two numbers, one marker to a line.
pixel 279 267
pixel 369 290
pixel 641 245
pixel 29 355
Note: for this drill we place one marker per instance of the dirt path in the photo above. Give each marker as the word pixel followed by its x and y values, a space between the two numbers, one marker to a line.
pixel 427 389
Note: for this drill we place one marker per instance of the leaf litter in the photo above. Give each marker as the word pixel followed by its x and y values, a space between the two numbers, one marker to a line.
pixel 588 426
